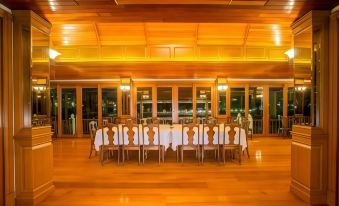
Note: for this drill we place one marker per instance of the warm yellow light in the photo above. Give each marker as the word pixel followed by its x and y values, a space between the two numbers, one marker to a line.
pixel 290 53
pixel 53 54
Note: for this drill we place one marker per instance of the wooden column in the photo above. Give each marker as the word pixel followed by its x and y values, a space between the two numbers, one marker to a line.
pixel 266 112
pixel 154 101
pixel 285 102
pixel 309 149
pixel 99 106
pixel 33 145
pixel 194 102
pixel 333 107
pixel 247 99
pixel 7 108
pixel 228 102
pixel 59 99
pixel 79 129
pixel 175 106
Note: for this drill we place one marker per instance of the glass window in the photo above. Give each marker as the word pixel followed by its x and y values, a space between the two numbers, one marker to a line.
pixel 89 107
pixel 144 102
pixel 303 105
pixel 237 101
pixel 203 101
pixel 109 104
pixel 290 107
pixel 164 104
pixel 276 106
pixel 256 108
pixel 54 110
pixel 68 108
pixel 185 97
pixel 222 102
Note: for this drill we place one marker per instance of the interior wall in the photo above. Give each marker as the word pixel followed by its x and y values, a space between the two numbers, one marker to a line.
pixel 6 110
pixel 2 184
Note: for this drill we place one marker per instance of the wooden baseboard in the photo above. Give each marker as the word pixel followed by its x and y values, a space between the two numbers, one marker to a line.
pixel 32 199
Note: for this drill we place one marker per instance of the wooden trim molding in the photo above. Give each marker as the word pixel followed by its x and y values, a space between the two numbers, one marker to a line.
pixel 7 106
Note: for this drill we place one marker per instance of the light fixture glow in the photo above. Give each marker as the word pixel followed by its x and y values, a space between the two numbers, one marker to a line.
pixel 277 34
pixel 290 53
pixel 53 54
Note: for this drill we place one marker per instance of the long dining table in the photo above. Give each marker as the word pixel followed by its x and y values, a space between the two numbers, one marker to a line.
pixel 170 136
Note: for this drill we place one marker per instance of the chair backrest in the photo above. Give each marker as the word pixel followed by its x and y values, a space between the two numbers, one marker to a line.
pixel 211 120
pixel 92 124
pixel 231 134
pixel 92 133
pixel 111 133
pixel 229 120
pixel 130 132
pixel 245 125
pixel 190 133
pixel 155 120
pixel 104 122
pixel 210 133
pixel 151 133
pixel 284 122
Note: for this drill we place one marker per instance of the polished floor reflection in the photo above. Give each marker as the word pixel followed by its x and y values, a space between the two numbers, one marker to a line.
pixel 262 180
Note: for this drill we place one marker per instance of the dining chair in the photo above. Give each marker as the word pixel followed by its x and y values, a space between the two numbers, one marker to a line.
pixel 129 128
pixel 190 146
pixel 245 126
pixel 92 126
pixel 209 130
pixel 110 147
pixel 284 129
pixel 92 133
pixel 234 148
pixel 151 130
pixel 155 120
pixel 229 120
pixel 105 122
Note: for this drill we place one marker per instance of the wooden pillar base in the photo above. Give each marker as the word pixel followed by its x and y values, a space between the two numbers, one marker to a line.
pixel 309 164
pixel 34 165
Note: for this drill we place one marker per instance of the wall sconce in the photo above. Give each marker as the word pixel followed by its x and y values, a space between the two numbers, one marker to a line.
pixel 145 95
pixel 53 54
pixel 222 84
pixel 39 85
pixel 203 94
pixel 299 85
pixel 125 84
pixel 290 53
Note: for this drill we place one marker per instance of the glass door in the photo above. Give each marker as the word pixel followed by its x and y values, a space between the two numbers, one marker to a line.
pixel 276 105
pixel 68 107
pixel 203 98
pixel 164 104
pixel 144 103
pixel 89 108
pixel 185 103
pixel 109 104
pixel 256 109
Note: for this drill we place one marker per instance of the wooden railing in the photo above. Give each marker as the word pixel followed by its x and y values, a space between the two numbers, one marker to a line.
pixel 275 125
pixel 257 126
pixel 85 125
pixel 69 126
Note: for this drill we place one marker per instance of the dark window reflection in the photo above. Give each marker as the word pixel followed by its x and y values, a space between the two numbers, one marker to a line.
pixel 109 104
pixel 54 110
pixel 68 107
pixel 164 103
pixel 222 102
pixel 144 102
pixel 290 107
pixel 256 108
pixel 185 97
pixel 276 105
pixel 203 101
pixel 89 107
pixel 237 101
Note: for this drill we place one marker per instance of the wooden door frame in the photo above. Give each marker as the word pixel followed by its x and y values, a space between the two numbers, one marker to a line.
pixel 2 154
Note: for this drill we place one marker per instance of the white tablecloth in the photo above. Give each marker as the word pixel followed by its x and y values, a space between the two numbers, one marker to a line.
pixel 171 134
pixel 165 136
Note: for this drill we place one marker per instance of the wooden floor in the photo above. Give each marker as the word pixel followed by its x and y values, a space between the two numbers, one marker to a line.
pixel 262 180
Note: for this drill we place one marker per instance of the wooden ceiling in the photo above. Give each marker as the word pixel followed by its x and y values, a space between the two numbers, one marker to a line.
pixel 170 34
pixel 86 28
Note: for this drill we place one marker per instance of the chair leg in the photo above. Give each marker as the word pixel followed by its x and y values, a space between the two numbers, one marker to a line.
pixel 223 154
pixel 182 155
pixel 102 158
pixel 90 152
pixel 163 154
pixel 123 155
pixel 248 153
pixel 159 155
pixel 143 155
pixel 118 155
pixel 139 156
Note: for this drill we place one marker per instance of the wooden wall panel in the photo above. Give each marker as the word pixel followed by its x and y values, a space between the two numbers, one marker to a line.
pixel 209 52
pixel 256 53
pixel 112 52
pixel 232 52
pixel 87 53
pixel 135 52
pixel 184 52
pixel 160 52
